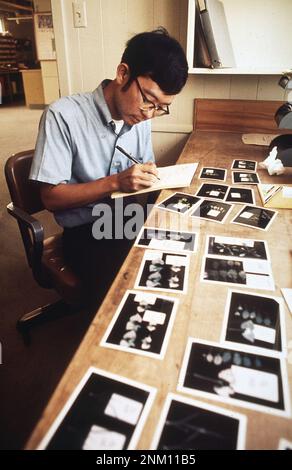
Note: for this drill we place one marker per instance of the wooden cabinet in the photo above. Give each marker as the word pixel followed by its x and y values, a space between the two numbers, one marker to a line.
pixel 260 33
pixel 33 88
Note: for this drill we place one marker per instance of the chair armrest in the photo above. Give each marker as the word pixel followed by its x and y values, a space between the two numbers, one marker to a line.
pixel 23 217
pixel 32 233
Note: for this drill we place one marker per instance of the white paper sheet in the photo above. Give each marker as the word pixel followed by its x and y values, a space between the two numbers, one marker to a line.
pixel 176 260
pixel 100 438
pixel 213 213
pixel 256 281
pixel 255 383
pixel 256 266
pixel 154 317
pixel 123 408
pixel 144 296
pixel 287 191
pixel 235 241
pixel 166 245
pixel 246 215
pixel 263 333
pixel 287 293
pixel 174 176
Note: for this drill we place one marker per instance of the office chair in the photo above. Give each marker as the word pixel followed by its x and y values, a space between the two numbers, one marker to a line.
pixel 44 256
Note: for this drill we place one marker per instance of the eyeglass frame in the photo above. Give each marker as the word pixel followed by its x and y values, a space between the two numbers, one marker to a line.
pixel 155 107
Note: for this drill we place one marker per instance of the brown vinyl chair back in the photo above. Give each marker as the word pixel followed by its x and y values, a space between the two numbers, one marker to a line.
pixel 24 193
pixel 44 255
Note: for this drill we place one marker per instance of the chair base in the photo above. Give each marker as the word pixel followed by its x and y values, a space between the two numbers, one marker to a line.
pixel 46 313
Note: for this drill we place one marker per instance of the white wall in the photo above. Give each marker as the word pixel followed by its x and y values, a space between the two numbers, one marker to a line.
pixel 88 55
pixel 41 5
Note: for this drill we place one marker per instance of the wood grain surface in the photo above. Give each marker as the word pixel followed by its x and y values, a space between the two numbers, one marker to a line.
pixel 200 312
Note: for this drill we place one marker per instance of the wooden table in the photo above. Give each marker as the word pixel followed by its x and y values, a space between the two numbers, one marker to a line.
pixel 200 312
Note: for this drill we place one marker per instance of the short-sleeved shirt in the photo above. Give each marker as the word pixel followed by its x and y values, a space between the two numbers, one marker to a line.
pixel 77 143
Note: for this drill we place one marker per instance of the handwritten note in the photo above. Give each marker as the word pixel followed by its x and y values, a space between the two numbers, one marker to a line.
pixel 174 176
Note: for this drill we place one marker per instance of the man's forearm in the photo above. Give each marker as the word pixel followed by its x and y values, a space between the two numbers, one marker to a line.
pixel 69 196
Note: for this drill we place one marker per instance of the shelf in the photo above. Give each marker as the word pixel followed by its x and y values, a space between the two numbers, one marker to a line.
pixel 260 34
pixel 238 71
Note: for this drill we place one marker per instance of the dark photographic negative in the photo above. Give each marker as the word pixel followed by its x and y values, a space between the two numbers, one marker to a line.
pixel 245 178
pixel 179 202
pixel 168 240
pixel 142 324
pixel 254 216
pixel 163 271
pixel 240 196
pixel 248 165
pixel 224 271
pixel 212 210
pixel 213 174
pixel 253 320
pixel 189 424
pixel 245 378
pixel 236 247
pixel 104 412
pixel 213 191
pixel 250 273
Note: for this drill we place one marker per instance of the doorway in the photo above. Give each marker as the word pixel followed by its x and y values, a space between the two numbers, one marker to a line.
pixel 28 67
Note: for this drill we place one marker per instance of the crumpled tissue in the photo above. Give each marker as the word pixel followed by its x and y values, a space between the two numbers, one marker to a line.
pixel 272 163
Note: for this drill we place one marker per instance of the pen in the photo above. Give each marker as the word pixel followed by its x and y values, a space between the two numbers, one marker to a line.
pixel 133 159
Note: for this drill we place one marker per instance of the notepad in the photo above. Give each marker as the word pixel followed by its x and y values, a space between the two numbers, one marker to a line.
pixel 174 176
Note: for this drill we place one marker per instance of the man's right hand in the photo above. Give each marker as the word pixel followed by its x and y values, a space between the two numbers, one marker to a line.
pixel 70 196
pixel 137 177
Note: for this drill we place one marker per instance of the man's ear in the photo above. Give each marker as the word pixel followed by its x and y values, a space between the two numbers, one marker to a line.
pixel 123 74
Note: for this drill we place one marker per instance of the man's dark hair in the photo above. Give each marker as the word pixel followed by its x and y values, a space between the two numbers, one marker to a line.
pixel 159 56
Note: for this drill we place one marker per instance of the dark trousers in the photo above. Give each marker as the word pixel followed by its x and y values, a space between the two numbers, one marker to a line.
pixel 96 262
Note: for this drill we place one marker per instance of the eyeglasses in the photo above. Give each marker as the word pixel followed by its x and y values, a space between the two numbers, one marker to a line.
pixel 148 106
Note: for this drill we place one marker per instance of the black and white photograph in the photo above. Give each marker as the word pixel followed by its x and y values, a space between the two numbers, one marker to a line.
pixel 255 217
pixel 167 240
pixel 284 444
pixel 208 209
pixel 240 195
pixel 142 324
pixel 255 274
pixel 190 424
pixel 213 174
pixel 234 375
pixel 256 321
pixel 244 178
pixel 105 412
pixel 232 247
pixel 163 271
pixel 212 191
pixel 179 203
pixel 247 165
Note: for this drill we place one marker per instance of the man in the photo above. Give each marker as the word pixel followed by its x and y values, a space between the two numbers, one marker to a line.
pixel 76 160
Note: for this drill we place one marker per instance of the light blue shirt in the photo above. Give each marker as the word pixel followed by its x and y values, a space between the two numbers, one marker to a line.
pixel 77 144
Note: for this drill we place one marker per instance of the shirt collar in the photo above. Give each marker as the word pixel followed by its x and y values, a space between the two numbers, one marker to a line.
pixel 101 104
pixel 102 107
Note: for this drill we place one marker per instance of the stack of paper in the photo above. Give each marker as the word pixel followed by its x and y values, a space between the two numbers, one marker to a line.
pixel 276 195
